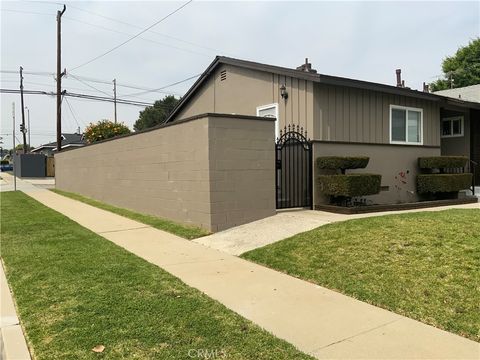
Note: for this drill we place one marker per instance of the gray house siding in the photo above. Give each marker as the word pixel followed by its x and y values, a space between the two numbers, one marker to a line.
pixel 363 116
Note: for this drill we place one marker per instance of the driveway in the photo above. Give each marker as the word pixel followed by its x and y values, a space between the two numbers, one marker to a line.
pixel 243 238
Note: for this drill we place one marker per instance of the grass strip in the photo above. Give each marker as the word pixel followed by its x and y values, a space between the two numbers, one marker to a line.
pixel 76 290
pixel 423 265
pixel 187 232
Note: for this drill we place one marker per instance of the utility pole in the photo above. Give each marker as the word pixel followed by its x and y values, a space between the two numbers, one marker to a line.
pixel 115 99
pixel 14 165
pixel 59 78
pixel 28 127
pixel 23 113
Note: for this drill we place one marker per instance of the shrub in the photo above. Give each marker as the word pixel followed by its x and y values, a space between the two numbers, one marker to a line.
pixel 350 185
pixel 342 162
pixel 4 162
pixel 104 129
pixel 443 183
pixel 442 162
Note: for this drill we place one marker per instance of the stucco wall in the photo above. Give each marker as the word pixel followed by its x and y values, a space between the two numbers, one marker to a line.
pixel 176 172
pixel 243 90
pixel 397 164
pixel 458 145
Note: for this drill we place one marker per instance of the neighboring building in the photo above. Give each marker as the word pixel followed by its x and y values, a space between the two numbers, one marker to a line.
pixel 467 93
pixel 69 141
pixel 393 125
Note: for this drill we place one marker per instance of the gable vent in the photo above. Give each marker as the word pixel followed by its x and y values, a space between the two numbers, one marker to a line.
pixel 223 75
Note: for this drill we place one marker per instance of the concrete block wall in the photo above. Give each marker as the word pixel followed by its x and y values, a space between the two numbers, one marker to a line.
pixel 192 171
pixel 242 171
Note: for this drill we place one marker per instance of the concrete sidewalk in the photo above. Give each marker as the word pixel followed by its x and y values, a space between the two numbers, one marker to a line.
pixel 318 321
pixel 267 231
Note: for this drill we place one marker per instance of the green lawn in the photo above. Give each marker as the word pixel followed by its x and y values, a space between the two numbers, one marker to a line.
pixel 423 265
pixel 76 290
pixel 187 232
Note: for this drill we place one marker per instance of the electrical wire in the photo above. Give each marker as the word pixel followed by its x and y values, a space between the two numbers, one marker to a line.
pixel 77 95
pixel 132 38
pixel 166 86
pixel 90 86
pixel 72 112
pixel 131 25
pixel 141 37
pixel 94 80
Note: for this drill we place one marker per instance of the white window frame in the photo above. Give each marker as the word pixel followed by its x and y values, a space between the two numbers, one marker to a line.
pixel 462 122
pixel 277 120
pixel 406 142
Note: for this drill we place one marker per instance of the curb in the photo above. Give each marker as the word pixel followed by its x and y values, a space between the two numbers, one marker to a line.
pixel 13 345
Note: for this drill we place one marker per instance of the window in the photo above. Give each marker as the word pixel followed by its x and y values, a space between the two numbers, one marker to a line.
pixel 452 127
pixel 406 125
pixel 270 110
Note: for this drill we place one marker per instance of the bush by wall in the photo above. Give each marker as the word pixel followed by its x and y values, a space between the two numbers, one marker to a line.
pixel 350 185
pixel 104 129
pixel 442 162
pixel 4 162
pixel 443 183
pixel 342 162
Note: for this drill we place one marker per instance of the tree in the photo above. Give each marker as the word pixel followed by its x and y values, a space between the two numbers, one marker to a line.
pixel 20 147
pixel 104 129
pixel 156 114
pixel 461 69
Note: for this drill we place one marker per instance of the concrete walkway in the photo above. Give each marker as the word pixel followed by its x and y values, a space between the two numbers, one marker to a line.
pixel 266 231
pixel 318 321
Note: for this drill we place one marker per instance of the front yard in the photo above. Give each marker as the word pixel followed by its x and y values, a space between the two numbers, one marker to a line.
pixel 423 265
pixel 76 290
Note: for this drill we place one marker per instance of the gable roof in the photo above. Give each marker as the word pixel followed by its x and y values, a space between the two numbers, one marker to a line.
pixel 68 140
pixel 315 77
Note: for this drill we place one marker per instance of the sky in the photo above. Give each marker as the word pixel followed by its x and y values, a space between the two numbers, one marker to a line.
pixel 360 40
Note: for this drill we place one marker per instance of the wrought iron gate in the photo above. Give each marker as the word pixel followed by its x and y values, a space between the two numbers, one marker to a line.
pixel 293 178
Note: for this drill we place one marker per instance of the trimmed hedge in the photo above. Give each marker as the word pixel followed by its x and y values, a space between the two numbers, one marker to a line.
pixel 443 183
pixel 442 162
pixel 349 185
pixel 4 162
pixel 342 162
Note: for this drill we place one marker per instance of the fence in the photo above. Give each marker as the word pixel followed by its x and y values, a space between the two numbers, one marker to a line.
pixel 212 170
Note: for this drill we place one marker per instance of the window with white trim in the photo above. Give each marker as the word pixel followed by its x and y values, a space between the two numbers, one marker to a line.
pixel 406 125
pixel 270 110
pixel 452 126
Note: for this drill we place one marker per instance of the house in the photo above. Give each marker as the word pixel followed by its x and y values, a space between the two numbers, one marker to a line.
pixel 467 93
pixel 243 140
pixel 393 125
pixel 69 141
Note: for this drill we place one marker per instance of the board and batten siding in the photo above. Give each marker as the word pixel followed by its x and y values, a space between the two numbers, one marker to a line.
pixel 363 116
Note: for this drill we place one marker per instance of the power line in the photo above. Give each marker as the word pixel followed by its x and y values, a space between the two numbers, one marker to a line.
pixel 132 25
pixel 143 38
pixel 90 86
pixel 93 80
pixel 166 86
pixel 77 95
pixel 39 73
pixel 133 37
pixel 26 12
pixel 72 112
